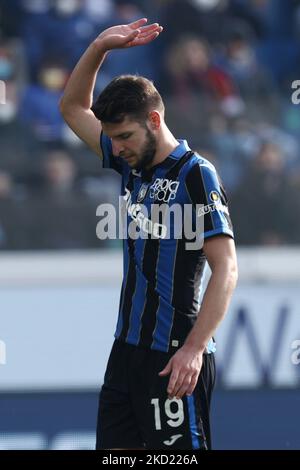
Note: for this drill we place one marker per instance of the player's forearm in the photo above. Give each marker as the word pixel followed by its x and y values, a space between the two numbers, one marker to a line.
pixel 80 86
pixel 214 306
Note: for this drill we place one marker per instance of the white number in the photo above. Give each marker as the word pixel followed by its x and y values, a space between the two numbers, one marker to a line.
pixel 155 402
pixel 176 417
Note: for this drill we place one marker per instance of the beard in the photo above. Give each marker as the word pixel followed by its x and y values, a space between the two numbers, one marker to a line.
pixel 148 151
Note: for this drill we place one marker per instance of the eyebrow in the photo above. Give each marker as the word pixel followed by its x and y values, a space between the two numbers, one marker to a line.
pixel 123 133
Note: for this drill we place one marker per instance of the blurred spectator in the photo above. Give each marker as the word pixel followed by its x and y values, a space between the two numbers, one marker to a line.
pixel 234 142
pixel 63 216
pixel 65 30
pixel 288 145
pixel 5 218
pixel 16 152
pixel 60 175
pixel 13 219
pixel 39 107
pixel 261 204
pixel 184 17
pixel 19 147
pixel 278 50
pixel 252 80
pixel 191 70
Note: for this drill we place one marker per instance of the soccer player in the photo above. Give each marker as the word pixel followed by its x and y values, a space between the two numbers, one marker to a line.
pixel 161 371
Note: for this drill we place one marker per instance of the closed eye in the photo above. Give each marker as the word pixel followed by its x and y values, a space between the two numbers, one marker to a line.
pixel 125 136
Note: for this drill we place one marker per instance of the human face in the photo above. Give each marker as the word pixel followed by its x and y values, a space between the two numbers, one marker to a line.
pixel 133 142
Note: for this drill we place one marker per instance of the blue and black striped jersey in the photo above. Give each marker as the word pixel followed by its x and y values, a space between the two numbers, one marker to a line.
pixel 160 293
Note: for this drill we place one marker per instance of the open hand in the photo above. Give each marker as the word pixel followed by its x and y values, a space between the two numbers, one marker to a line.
pixel 133 34
pixel 184 367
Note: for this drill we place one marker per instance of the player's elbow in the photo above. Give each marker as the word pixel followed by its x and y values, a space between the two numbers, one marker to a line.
pixel 63 107
pixel 67 111
pixel 232 273
pixel 227 271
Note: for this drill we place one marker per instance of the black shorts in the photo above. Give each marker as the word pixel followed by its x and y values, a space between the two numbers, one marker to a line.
pixel 134 409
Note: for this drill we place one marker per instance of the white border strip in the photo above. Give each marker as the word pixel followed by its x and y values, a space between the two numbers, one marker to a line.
pixel 257 264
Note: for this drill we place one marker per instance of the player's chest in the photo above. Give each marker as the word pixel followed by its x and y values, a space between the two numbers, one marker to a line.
pixel 161 189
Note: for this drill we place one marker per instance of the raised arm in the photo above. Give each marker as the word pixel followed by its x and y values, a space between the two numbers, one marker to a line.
pixel 78 95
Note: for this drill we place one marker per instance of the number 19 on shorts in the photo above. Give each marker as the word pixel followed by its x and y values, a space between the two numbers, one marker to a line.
pixel 173 410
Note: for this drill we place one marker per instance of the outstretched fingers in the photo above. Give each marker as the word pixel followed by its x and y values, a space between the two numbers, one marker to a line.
pixel 141 41
pixel 155 28
pixel 137 24
pixel 144 37
pixel 149 27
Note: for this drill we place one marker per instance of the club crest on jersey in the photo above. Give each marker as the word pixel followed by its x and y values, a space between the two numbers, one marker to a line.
pixel 215 205
pixel 214 196
pixel 163 190
pixel 142 192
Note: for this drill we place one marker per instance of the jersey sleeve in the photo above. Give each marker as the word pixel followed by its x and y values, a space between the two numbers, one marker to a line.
pixel 209 199
pixel 110 161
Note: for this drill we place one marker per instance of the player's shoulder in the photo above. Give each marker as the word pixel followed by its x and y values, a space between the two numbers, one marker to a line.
pixel 197 164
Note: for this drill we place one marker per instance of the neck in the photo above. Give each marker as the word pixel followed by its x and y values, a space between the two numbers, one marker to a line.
pixel 165 145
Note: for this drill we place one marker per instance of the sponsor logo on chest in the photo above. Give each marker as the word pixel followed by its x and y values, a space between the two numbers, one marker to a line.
pixel 163 190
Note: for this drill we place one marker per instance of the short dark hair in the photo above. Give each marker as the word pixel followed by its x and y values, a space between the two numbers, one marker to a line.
pixel 127 95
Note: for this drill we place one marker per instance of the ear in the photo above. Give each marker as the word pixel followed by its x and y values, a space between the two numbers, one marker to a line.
pixel 155 120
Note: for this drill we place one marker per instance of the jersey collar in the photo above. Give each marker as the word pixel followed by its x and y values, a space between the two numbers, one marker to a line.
pixel 168 162
pixel 180 150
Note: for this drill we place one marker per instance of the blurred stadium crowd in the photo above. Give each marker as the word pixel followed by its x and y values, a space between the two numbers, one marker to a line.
pixel 225 70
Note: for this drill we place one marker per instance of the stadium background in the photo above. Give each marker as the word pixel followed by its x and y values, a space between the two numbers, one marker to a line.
pixel 225 70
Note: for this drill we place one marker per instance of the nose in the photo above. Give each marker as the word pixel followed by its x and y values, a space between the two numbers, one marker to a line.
pixel 117 147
